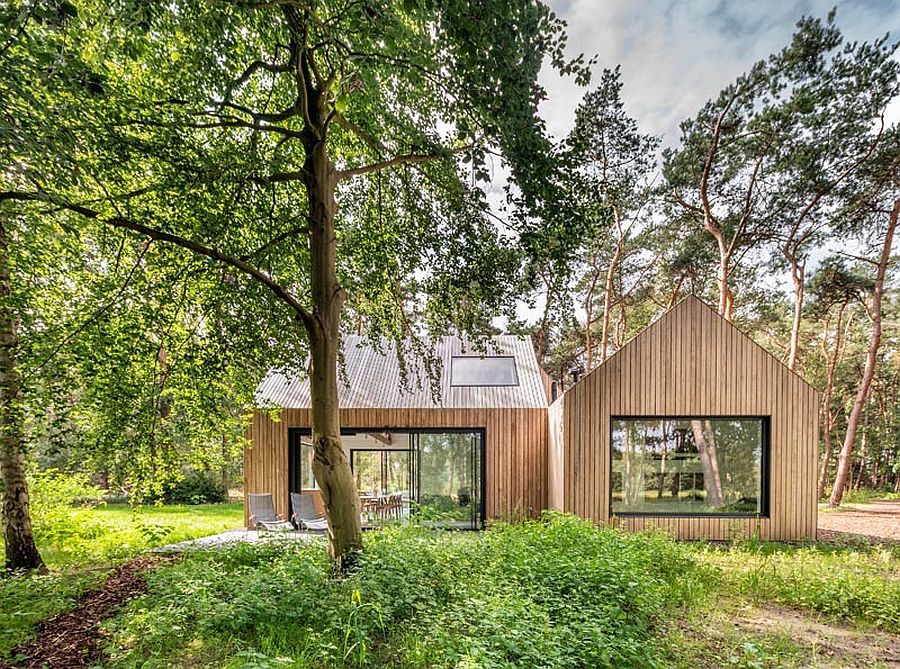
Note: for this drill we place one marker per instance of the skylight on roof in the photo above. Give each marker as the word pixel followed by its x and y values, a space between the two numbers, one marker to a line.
pixel 494 370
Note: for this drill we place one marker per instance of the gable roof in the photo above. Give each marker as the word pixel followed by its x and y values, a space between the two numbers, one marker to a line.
pixel 372 378
pixel 692 307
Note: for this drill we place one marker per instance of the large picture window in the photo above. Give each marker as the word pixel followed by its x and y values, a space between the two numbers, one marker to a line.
pixel 689 465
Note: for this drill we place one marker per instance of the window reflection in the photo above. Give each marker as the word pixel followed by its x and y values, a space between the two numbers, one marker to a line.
pixel 687 465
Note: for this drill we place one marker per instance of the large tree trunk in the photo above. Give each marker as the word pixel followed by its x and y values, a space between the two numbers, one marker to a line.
pixel 798 277
pixel 726 298
pixel 21 551
pixel 330 464
pixel 706 446
pixel 840 481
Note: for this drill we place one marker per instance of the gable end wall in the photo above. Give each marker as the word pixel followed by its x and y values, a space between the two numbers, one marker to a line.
pixel 690 362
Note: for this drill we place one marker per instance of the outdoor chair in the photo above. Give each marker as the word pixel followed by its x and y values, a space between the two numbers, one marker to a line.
pixel 263 516
pixel 305 514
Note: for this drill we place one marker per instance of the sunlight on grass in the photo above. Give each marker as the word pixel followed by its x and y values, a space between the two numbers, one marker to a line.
pixel 858 584
pixel 117 531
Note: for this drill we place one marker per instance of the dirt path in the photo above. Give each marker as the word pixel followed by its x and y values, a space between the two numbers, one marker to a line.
pixel 829 644
pixel 70 640
pixel 877 520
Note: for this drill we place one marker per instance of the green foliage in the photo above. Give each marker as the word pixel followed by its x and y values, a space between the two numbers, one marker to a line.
pixel 865 496
pixel 551 593
pixel 197 487
pixel 858 584
pixel 193 124
pixel 61 510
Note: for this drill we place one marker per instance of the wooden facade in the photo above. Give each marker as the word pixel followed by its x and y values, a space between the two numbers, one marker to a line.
pixel 373 396
pixel 515 450
pixel 690 362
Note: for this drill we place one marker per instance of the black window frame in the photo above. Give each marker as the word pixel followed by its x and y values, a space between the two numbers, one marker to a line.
pixel 295 434
pixel 515 368
pixel 764 465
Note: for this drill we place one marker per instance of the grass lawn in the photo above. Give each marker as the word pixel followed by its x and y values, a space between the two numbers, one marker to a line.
pixel 115 531
pixel 80 547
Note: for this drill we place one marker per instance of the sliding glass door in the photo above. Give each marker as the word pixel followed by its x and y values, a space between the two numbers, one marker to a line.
pixel 433 476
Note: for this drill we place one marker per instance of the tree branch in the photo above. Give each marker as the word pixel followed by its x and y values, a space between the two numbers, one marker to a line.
pixel 392 162
pixel 215 254
pixel 275 241
pixel 251 70
pixel 94 316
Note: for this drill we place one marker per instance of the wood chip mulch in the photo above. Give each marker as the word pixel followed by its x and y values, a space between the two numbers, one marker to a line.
pixel 71 640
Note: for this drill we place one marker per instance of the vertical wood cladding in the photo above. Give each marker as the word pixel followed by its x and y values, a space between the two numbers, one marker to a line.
pixel 515 449
pixel 689 362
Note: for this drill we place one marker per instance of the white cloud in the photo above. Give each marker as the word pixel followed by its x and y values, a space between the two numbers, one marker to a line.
pixel 677 54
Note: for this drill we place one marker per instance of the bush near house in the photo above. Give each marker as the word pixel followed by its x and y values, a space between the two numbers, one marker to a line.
pixel 197 487
pixel 551 593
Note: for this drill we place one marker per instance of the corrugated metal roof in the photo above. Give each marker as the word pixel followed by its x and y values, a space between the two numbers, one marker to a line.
pixel 372 378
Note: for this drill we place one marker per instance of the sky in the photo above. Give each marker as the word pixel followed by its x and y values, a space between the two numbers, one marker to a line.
pixel 677 54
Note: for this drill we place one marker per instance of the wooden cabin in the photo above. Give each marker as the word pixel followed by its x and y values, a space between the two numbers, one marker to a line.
pixel 691 427
pixel 468 442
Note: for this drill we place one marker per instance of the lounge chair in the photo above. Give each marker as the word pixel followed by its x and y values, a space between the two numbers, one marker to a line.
pixel 305 516
pixel 263 516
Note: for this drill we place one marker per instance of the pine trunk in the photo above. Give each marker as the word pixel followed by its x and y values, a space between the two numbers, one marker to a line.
pixel 588 349
pixel 845 461
pixel 706 447
pixel 726 298
pixel 827 415
pixel 798 276
pixel 609 286
pixel 21 551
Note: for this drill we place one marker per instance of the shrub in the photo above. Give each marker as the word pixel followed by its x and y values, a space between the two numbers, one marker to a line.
pixel 60 505
pixel 551 593
pixel 196 487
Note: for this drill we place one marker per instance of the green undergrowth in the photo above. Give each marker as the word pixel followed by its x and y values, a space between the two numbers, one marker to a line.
pixel 867 496
pixel 81 544
pixel 855 583
pixel 551 593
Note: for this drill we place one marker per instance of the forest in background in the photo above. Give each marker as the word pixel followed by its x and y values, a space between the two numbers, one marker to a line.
pixel 777 204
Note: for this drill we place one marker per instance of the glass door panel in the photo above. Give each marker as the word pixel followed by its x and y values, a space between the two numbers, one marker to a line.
pixel 449 478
